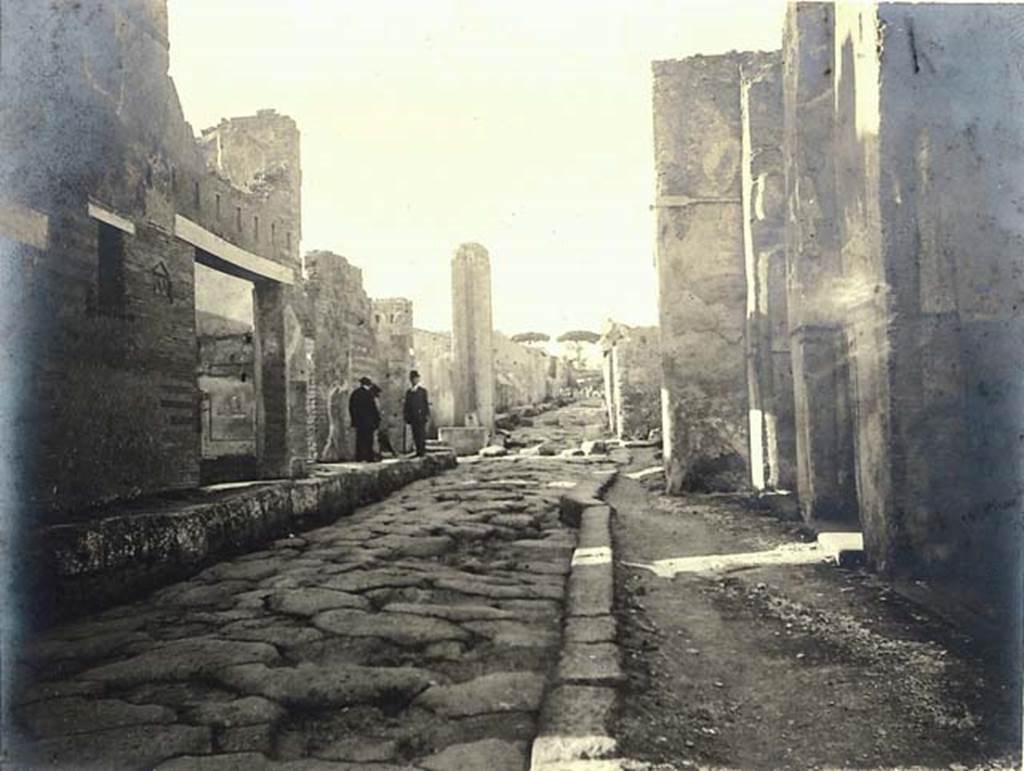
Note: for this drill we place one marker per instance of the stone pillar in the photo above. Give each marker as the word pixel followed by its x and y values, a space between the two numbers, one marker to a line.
pixel 931 173
pixel 824 430
pixel 701 270
pixel 472 346
pixel 269 304
pixel 392 326
pixel 769 371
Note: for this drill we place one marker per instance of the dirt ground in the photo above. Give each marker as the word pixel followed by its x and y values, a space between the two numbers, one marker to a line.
pixel 789 666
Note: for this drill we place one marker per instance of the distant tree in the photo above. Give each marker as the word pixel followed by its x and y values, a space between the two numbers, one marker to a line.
pixel 579 336
pixel 577 339
pixel 530 337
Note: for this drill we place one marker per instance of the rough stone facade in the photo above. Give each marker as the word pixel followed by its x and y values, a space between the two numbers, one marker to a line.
pixel 521 374
pixel 632 380
pixel 702 268
pixel 344 349
pixel 432 358
pixel 881 291
pixel 392 325
pixel 924 284
pixel 472 328
pixel 108 204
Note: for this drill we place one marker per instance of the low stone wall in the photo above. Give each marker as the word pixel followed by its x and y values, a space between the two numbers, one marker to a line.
pixel 105 560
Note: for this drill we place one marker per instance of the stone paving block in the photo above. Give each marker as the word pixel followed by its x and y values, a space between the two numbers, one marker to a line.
pixel 486 755
pixel 141 746
pixel 249 710
pixel 327 685
pixel 182 660
pixel 74 715
pixel 311 600
pixel 246 738
pixel 400 629
pixel 590 663
pixel 495 692
pixel 360 750
pixel 591 591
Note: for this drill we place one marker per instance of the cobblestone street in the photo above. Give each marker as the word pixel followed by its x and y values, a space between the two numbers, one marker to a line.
pixel 417 633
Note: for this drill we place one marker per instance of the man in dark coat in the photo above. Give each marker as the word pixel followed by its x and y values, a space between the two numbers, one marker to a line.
pixel 417 412
pixel 362 409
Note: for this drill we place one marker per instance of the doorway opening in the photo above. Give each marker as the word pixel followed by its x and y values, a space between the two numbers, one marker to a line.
pixel 226 373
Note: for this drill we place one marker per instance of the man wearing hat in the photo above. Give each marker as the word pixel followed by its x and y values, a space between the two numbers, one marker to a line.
pixel 417 412
pixel 362 409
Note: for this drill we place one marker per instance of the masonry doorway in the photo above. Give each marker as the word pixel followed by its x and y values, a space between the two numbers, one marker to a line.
pixel 226 374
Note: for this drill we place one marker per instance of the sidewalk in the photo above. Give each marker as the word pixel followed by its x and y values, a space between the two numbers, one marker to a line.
pixel 133 547
pixel 792 665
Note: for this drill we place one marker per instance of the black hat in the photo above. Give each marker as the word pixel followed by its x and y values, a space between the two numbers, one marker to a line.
pixel 365 381
pixel 414 373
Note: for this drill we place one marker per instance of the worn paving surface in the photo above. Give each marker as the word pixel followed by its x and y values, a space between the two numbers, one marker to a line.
pixel 417 633
pixel 790 666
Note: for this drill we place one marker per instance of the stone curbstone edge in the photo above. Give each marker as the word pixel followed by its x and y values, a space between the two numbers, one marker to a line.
pixel 575 721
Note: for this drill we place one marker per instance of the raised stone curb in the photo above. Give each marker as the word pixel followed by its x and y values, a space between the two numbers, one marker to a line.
pixel 576 718
pixel 105 560
pixel 583 496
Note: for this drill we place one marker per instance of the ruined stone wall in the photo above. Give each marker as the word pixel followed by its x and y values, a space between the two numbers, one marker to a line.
pixel 701 269
pixel 344 349
pixel 521 373
pixel 392 326
pixel 472 329
pixel 432 358
pixel 931 236
pixel 632 380
pixel 116 333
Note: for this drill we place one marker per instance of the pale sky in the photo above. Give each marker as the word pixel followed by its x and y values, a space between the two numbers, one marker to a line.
pixel 524 125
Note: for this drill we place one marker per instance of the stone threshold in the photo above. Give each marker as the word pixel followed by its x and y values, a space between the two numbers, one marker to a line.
pixel 90 565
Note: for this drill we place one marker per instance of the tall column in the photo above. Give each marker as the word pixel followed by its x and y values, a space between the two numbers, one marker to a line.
pixel 824 426
pixel 472 346
pixel 769 371
pixel 701 271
